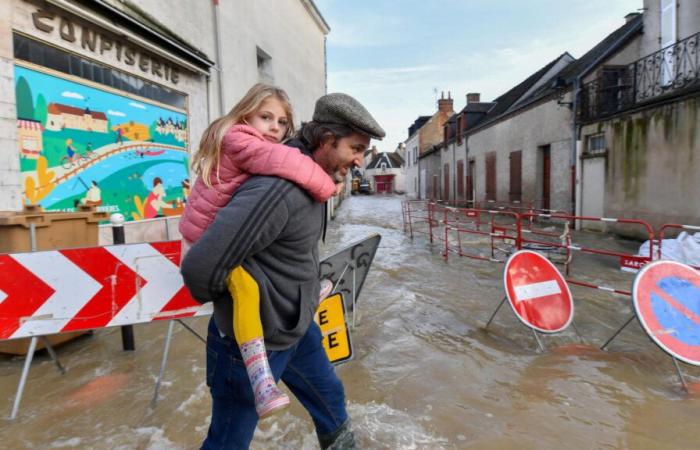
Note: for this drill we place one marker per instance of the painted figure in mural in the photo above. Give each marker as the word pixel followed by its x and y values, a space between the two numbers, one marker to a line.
pixel 120 136
pixel 70 151
pixel 154 203
pixel 93 197
pixel 89 152
pixel 245 142
pixel 263 247
pixel 185 189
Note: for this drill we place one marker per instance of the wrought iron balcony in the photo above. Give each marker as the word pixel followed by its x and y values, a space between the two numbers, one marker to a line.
pixel 670 70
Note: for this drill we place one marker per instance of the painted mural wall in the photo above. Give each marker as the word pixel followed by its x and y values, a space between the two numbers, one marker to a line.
pixel 82 145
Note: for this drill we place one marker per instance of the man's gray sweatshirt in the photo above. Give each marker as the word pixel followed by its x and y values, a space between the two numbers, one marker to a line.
pixel 271 227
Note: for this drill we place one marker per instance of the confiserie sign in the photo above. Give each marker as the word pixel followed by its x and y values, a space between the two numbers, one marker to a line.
pixel 101 44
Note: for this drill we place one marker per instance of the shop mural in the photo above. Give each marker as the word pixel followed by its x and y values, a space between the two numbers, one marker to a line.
pixel 81 145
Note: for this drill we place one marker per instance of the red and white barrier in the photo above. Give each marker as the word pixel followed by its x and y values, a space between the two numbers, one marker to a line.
pixel 56 291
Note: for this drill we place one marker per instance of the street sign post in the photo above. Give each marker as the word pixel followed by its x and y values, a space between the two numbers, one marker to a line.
pixel 537 293
pixel 666 298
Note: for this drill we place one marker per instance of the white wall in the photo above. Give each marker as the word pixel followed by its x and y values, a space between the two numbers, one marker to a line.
pixel 412 182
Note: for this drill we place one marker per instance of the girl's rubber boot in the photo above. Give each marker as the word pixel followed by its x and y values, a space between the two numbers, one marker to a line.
pixel 268 398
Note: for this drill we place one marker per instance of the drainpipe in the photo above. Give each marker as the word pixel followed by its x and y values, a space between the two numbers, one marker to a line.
pixel 454 172
pixel 573 157
pixel 219 59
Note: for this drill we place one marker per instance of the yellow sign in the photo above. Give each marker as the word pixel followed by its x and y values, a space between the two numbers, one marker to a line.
pixel 330 317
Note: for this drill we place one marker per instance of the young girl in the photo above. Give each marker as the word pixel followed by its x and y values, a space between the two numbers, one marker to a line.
pixel 245 142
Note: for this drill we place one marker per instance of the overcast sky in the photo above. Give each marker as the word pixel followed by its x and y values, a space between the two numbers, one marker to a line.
pixel 393 55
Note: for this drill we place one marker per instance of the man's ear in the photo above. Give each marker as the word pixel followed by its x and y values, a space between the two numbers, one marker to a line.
pixel 328 139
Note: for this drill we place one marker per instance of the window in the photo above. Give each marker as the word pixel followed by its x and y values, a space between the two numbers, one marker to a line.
pixel 43 55
pixel 264 66
pixel 595 144
pixel 668 38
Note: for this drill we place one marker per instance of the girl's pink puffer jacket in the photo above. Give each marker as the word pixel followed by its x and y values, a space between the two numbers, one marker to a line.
pixel 245 153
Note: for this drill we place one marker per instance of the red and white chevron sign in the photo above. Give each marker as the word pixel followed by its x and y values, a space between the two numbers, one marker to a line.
pixel 82 289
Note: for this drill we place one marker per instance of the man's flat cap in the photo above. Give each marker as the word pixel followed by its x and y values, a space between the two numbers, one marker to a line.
pixel 341 109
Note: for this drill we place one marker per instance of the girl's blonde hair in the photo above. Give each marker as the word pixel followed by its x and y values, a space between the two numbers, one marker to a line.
pixel 208 154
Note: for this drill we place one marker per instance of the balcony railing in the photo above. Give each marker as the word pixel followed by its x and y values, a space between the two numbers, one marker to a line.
pixel 670 70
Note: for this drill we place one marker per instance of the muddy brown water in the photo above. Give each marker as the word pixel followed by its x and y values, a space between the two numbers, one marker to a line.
pixel 425 374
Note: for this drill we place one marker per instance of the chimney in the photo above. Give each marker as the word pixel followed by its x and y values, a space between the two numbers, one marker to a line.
pixel 473 97
pixel 631 16
pixel 445 104
pixel 374 151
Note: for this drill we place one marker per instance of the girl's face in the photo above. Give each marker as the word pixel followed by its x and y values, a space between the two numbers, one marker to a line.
pixel 270 120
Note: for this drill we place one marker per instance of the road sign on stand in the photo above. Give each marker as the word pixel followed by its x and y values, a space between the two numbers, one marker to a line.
pixel 537 292
pixel 666 298
pixel 330 317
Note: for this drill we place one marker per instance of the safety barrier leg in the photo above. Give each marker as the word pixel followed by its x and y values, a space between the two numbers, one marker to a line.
pixel 680 374
pixel 619 330
pixel 164 360
pixel 23 377
pixel 537 338
pixel 494 313
pixel 53 354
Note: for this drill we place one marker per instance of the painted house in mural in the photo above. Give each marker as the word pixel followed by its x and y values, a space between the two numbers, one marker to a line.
pixel 61 117
pixel 176 129
pixel 29 138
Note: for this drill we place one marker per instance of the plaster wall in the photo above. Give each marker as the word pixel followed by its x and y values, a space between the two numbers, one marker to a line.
pixel 412 175
pixel 289 35
pixel 653 164
pixel 432 166
pixel 544 124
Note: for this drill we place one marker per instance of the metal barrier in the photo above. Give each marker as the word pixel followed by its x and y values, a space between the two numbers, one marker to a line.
pixel 503 226
pixel 420 210
pixel 630 261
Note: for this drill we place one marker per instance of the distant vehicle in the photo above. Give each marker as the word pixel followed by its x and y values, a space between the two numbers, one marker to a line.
pixel 365 187
pixel 355 186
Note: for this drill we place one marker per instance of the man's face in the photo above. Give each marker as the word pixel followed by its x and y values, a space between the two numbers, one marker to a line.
pixel 340 156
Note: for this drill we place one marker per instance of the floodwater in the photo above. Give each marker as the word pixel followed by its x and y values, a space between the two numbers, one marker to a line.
pixel 425 374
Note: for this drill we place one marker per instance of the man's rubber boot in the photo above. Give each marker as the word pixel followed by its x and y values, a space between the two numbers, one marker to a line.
pixel 340 439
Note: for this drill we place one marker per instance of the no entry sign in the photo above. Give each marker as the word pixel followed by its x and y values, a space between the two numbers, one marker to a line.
pixel 666 297
pixel 537 292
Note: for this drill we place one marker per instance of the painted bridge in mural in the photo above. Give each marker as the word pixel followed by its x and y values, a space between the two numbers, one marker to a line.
pixel 69 169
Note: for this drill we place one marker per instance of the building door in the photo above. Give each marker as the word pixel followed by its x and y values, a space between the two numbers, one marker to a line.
pixel 384 184
pixel 546 176
pixel 491 176
pixel 422 186
pixel 516 185
pixel 460 181
pixel 446 182
pixel 592 191
pixel 436 188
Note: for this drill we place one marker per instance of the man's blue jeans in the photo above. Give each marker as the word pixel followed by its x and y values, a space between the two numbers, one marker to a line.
pixel 305 370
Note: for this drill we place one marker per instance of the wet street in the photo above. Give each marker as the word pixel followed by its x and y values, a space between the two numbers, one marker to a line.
pixel 425 374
